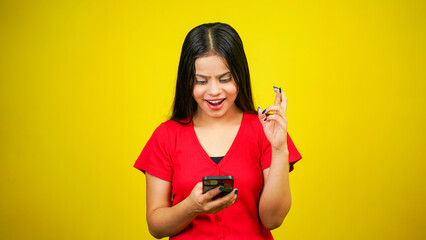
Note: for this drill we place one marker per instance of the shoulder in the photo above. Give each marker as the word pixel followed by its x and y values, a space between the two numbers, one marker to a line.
pixel 252 121
pixel 172 131
pixel 173 126
pixel 251 116
pixel 165 129
pixel 253 129
pixel 170 125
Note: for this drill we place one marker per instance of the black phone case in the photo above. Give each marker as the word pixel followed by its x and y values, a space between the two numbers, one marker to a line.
pixel 210 182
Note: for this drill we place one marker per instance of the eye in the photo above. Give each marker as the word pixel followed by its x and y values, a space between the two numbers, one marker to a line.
pixel 200 81
pixel 226 80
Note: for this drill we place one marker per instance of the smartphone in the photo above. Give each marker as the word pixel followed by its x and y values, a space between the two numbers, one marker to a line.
pixel 210 182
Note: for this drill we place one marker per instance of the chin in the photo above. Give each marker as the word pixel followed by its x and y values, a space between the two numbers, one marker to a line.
pixel 216 114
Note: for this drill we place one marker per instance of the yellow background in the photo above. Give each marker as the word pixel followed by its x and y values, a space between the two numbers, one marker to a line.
pixel 84 84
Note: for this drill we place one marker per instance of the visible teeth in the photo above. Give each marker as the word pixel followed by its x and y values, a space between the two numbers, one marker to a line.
pixel 214 102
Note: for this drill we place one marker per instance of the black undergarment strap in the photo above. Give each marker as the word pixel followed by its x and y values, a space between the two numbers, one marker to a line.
pixel 217 159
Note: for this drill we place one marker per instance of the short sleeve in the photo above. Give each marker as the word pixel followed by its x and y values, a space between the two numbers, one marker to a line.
pixel 293 153
pixel 155 157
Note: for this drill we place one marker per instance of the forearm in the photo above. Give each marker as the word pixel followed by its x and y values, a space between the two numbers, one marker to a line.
pixel 168 221
pixel 275 200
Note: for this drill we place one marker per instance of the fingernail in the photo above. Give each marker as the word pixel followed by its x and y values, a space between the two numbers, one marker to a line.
pixel 258 109
pixel 220 188
pixel 236 191
pixel 265 119
pixel 275 87
pixel 280 90
pixel 264 111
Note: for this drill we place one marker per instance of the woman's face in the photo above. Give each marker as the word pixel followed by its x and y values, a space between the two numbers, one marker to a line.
pixel 214 89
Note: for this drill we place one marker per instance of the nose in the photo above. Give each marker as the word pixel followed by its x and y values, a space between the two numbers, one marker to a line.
pixel 214 88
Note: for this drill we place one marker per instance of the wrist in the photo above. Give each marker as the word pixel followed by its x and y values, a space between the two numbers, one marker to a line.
pixel 281 149
pixel 190 206
pixel 280 157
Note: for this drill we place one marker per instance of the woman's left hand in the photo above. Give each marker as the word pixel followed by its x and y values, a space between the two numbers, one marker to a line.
pixel 275 124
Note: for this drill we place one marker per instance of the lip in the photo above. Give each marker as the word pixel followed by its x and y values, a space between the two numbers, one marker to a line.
pixel 214 99
pixel 215 107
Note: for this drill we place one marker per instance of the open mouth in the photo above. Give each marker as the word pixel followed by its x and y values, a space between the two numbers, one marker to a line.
pixel 215 104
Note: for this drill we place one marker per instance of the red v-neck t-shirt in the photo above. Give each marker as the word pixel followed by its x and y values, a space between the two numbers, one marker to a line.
pixel 174 154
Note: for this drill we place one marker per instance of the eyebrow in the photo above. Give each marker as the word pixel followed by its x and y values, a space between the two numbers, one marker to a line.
pixel 219 76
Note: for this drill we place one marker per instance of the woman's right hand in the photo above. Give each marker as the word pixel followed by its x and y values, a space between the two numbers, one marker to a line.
pixel 204 203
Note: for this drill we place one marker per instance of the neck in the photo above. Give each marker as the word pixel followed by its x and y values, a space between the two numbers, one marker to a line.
pixel 231 117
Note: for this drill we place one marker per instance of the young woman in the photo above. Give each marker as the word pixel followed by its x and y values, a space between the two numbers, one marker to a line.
pixel 215 130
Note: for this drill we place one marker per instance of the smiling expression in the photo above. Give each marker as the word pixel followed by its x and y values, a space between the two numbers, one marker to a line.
pixel 214 90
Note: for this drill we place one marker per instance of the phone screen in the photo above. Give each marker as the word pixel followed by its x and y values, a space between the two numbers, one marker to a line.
pixel 211 182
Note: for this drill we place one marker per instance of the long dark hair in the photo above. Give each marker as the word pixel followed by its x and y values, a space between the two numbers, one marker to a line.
pixel 211 38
